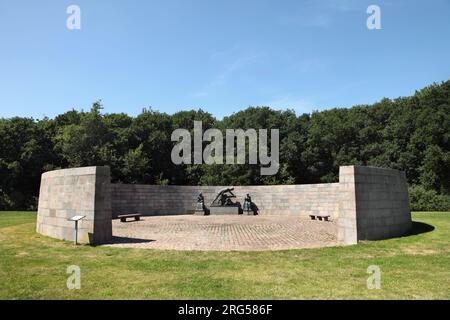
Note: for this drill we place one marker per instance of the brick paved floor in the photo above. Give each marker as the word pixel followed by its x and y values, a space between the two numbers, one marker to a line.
pixel 224 233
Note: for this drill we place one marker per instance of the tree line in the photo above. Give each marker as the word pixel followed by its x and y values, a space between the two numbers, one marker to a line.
pixel 409 133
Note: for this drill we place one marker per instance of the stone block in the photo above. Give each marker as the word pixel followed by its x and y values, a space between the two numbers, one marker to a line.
pixel 233 210
pixel 77 191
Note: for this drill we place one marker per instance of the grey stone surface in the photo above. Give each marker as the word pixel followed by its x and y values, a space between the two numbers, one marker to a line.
pixel 79 191
pixel 374 204
pixel 233 210
pixel 299 200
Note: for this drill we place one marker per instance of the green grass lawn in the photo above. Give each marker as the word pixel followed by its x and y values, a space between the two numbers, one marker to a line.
pixel 414 267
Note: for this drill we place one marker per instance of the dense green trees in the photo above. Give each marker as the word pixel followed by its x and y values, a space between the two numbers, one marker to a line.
pixel 411 134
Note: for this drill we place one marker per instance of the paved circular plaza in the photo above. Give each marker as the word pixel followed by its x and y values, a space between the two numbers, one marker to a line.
pixel 224 233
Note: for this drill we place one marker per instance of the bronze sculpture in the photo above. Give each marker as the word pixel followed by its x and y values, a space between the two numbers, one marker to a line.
pixel 200 208
pixel 247 203
pixel 224 197
pixel 200 198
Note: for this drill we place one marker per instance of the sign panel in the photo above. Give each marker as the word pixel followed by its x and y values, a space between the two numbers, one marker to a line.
pixel 76 218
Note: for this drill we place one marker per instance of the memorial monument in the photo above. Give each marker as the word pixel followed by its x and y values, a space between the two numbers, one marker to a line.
pixel 223 203
pixel 367 203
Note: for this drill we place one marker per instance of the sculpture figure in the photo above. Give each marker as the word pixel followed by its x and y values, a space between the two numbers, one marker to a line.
pixel 224 197
pixel 247 203
pixel 200 198
pixel 200 208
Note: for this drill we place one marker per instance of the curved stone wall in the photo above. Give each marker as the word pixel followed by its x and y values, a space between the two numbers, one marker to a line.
pixel 79 191
pixel 368 203
pixel 297 200
pixel 374 205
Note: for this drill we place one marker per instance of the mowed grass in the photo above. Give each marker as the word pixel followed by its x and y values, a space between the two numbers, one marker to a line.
pixel 33 266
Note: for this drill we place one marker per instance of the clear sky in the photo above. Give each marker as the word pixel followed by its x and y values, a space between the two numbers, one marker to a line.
pixel 218 55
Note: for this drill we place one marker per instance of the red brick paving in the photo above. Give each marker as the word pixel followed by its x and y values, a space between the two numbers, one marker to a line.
pixel 224 233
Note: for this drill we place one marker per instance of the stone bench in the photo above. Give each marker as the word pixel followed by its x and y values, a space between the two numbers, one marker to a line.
pixel 124 217
pixel 320 217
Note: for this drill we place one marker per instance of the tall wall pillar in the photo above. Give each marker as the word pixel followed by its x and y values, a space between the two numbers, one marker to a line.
pixel 374 204
pixel 347 224
pixel 78 191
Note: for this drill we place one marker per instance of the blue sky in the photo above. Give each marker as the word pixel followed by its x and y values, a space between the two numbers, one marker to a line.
pixel 218 55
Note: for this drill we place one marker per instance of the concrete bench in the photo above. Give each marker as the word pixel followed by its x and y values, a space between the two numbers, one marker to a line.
pixel 124 217
pixel 320 217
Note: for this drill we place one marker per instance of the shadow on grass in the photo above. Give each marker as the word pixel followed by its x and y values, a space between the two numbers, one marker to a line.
pixel 126 240
pixel 419 228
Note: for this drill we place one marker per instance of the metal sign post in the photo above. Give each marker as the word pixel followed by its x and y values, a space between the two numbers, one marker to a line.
pixel 76 219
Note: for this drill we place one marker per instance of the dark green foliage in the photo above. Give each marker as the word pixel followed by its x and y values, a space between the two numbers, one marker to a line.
pixel 421 199
pixel 26 150
pixel 411 134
